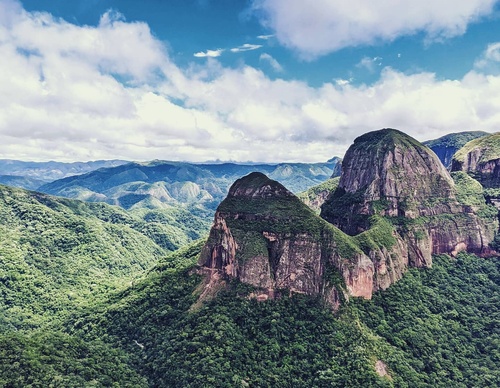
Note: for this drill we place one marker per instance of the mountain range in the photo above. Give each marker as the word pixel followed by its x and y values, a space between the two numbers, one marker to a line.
pixel 369 286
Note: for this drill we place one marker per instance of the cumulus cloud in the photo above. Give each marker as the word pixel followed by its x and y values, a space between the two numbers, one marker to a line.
pixel 275 65
pixel 111 91
pixel 246 47
pixel 318 27
pixel 209 53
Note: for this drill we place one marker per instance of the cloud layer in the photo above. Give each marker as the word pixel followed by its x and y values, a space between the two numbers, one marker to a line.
pixel 315 28
pixel 111 91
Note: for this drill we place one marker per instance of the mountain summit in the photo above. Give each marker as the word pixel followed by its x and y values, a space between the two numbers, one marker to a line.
pixel 395 206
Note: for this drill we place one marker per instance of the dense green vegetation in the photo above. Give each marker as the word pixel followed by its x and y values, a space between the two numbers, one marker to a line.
pixel 489 147
pixel 436 327
pixel 445 320
pixel 232 340
pixel 58 255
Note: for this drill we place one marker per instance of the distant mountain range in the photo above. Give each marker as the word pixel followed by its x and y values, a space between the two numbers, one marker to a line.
pixel 161 184
pixel 166 184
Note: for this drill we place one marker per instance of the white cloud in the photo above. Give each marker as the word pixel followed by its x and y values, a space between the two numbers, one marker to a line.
pixel 111 91
pixel 246 47
pixel 342 82
pixel 315 28
pixel 370 64
pixel 489 62
pixel 209 53
pixel 265 37
pixel 272 62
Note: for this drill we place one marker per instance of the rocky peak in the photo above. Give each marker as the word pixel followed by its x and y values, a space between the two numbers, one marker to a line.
pixel 258 185
pixel 395 206
pixel 480 158
pixel 390 174
pixel 391 166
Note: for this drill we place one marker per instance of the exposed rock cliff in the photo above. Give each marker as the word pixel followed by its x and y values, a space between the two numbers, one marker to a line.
pixel 446 146
pixel 480 158
pixel 390 174
pixel 395 206
pixel 265 236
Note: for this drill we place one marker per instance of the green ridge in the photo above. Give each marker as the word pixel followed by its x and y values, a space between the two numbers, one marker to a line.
pixel 489 146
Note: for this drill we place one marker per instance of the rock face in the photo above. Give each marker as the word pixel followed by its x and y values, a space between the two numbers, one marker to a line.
pixel 446 146
pixel 394 207
pixel 390 174
pixel 265 236
pixel 480 158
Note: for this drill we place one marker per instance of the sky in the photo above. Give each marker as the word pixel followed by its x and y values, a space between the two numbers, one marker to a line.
pixel 240 80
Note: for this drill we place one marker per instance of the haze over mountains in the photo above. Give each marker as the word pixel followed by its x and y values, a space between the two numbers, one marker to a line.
pixel 91 295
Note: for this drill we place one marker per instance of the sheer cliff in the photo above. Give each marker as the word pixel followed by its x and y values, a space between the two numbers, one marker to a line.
pixel 480 158
pixel 395 206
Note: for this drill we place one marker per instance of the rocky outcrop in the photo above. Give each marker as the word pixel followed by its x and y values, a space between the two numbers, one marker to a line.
pixel 390 174
pixel 264 236
pixel 446 146
pixel 480 158
pixel 395 206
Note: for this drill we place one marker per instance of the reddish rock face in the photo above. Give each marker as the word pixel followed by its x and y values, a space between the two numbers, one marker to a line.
pixel 388 173
pixel 265 236
pixel 485 169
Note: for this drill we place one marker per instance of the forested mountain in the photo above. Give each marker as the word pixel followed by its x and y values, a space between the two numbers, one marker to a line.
pixel 158 184
pixel 446 146
pixel 422 332
pixel 91 295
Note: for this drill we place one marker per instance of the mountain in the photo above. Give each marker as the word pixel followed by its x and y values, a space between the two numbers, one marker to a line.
pixel 394 207
pixel 57 254
pixel 446 146
pixel 159 183
pixel 50 171
pixel 90 298
pixel 21 181
pixel 480 158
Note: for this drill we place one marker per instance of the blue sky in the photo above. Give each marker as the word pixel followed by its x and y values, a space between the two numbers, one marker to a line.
pixel 261 80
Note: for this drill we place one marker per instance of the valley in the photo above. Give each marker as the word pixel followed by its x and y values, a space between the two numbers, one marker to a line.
pixel 174 274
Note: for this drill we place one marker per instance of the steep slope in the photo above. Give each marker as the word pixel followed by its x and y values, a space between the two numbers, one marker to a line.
pixel 446 146
pixel 388 173
pixel 56 254
pixel 480 158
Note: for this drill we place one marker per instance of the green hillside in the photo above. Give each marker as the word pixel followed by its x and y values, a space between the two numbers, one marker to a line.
pixel 58 255
pixel 422 332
